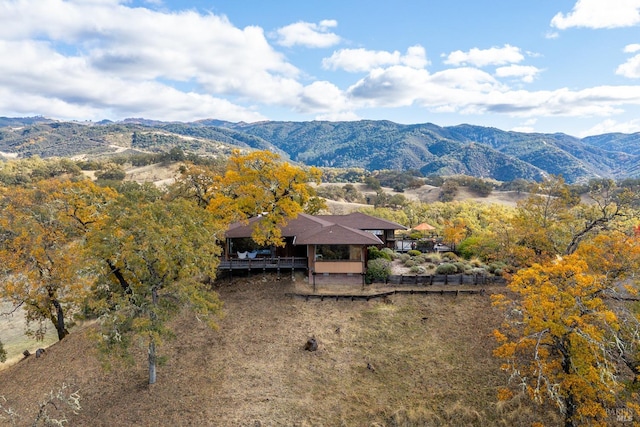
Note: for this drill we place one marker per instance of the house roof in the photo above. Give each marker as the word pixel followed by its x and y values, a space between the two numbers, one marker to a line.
pixel 324 229
pixel 337 234
pixel 362 221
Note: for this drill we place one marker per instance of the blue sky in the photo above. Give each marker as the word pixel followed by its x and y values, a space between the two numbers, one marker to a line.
pixel 569 66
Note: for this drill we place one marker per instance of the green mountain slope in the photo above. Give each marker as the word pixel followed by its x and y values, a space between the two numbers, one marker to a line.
pixel 369 144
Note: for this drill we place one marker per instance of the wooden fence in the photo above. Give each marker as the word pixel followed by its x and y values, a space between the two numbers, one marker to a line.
pixel 444 279
pixel 367 297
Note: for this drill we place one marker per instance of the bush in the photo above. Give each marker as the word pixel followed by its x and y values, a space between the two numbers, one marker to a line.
pixel 111 172
pixel 446 268
pixel 404 258
pixel 378 270
pixel 418 269
pixel 461 266
pixel 390 252
pixel 420 259
pixel 449 256
pixel 375 253
pixel 497 267
pixel 409 263
pixel 414 252
pixel 434 258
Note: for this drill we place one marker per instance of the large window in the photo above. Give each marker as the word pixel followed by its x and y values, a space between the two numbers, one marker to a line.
pixel 338 252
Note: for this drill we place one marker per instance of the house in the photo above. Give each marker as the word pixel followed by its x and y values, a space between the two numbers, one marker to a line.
pixel 332 248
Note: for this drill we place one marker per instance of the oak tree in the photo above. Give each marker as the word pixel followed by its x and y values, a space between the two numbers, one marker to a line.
pixel 255 184
pixel 563 340
pixel 41 238
pixel 152 257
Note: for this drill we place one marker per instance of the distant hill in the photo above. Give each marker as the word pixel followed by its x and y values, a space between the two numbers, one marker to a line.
pixel 368 144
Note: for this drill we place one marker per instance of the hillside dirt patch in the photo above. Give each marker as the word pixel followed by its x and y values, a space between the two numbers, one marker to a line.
pixel 412 360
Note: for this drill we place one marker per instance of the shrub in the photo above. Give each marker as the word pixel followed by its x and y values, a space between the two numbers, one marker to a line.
pixel 420 259
pixel 446 268
pixel 449 256
pixel 497 267
pixel 404 258
pixel 375 253
pixel 475 262
pixel 418 269
pixel 414 252
pixel 409 263
pixel 378 269
pixel 390 252
pixel 434 258
pixel 461 266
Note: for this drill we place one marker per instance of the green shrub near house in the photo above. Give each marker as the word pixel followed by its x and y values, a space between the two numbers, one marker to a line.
pixel 378 269
pixel 446 268
pixel 375 253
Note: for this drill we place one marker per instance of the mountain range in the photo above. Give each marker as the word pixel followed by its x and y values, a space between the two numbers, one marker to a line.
pixel 368 144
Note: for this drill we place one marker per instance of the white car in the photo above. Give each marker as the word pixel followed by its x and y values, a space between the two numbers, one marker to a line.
pixel 439 247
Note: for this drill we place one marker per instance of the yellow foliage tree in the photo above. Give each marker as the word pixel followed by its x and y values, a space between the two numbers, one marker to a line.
pixel 562 342
pixel 454 231
pixel 41 230
pixel 255 184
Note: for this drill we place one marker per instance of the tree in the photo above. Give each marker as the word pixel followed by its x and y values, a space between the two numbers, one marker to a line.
pixel 559 343
pixel 544 219
pixel 41 231
pixel 564 339
pixel 151 257
pixel 455 231
pixel 253 184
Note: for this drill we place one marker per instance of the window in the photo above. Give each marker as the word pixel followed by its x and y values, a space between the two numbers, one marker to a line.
pixel 338 252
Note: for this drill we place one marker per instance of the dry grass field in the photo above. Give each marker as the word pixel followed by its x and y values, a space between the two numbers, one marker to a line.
pixel 413 360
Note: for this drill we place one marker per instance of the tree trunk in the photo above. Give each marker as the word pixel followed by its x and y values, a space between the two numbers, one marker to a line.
pixel 152 343
pixel 58 320
pixel 569 402
pixel 152 362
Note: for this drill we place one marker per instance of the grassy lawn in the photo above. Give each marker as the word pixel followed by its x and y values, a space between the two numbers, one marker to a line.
pixel 12 335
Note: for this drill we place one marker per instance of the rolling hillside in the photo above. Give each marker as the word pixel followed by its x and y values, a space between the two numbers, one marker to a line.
pixel 371 145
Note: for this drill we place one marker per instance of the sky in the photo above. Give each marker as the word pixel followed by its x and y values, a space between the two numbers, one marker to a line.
pixel 570 66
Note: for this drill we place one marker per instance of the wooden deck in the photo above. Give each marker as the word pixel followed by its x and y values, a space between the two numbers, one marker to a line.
pixel 277 263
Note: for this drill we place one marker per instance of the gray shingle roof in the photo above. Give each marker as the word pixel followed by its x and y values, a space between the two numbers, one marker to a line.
pixel 324 229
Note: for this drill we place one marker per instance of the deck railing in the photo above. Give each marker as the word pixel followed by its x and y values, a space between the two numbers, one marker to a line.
pixel 270 263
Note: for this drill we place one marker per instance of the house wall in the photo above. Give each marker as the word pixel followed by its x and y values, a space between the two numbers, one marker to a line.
pixel 346 272
pixel 339 267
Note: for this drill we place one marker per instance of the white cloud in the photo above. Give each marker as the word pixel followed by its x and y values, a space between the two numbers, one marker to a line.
pixel 102 53
pixel 322 96
pixel 359 60
pixel 416 57
pixel 632 48
pixel 473 91
pixel 526 127
pixel 599 14
pixel 308 34
pixel 612 126
pixel 631 68
pixel 526 73
pixel 482 57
